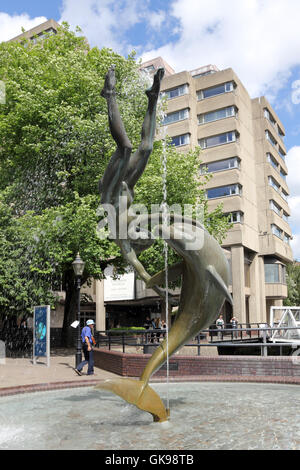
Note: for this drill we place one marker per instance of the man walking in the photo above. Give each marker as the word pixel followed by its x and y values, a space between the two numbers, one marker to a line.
pixel 87 347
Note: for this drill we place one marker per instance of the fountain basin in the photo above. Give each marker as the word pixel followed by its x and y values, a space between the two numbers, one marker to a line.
pixel 204 415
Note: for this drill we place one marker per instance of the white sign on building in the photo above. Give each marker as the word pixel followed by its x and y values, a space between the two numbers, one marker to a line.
pixel 118 289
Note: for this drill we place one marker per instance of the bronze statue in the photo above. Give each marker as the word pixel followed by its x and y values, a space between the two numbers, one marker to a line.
pixel 204 270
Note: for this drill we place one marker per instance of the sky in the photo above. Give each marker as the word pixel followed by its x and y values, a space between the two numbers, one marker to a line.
pixel 259 39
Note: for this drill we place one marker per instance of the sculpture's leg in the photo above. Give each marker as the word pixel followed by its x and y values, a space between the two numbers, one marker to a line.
pixel 139 159
pixel 110 185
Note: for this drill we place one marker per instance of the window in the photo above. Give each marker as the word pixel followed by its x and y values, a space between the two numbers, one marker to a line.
pixel 272 275
pixel 181 140
pixel 280 133
pixel 285 216
pixel 274 272
pixel 276 231
pixel 178 91
pixel 218 139
pixel 149 68
pixel 236 217
pixel 274 184
pixel 215 90
pixel 284 195
pixel 177 116
pixel 269 116
pixel 272 160
pixel 275 207
pixel 281 152
pixel 271 139
pixel 286 238
pixel 220 165
pixel 282 174
pixel 224 191
pixel 218 114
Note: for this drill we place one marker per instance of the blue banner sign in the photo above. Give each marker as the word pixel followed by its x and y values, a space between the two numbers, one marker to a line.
pixel 41 331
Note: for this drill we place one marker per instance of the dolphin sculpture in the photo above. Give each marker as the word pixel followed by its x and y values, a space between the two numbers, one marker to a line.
pixel 205 277
pixel 204 269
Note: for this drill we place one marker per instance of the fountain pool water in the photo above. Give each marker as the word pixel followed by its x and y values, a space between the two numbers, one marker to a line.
pixel 204 415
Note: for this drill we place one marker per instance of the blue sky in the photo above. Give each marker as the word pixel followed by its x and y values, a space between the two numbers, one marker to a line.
pixel 259 39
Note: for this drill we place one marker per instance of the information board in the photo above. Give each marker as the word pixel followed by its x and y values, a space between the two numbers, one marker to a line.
pixel 41 333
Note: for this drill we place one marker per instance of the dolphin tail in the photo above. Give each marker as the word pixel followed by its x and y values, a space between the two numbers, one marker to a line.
pixel 138 393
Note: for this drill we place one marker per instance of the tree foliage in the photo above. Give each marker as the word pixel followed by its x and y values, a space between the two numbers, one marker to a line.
pixel 293 284
pixel 54 146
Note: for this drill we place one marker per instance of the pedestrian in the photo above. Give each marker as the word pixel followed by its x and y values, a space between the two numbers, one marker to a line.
pixel 234 325
pixel 220 326
pixel 153 326
pixel 164 327
pixel 88 342
pixel 158 327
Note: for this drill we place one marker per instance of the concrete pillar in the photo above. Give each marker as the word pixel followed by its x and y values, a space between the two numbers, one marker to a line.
pixel 263 300
pixel 238 283
pixel 255 285
pixel 100 308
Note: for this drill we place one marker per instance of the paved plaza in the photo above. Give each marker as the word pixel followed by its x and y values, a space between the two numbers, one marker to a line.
pixel 16 372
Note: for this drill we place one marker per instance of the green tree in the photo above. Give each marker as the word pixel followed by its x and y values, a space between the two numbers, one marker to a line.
pixel 293 284
pixel 54 145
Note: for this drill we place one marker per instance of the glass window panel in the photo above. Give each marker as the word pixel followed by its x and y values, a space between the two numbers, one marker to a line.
pixel 177 116
pixel 272 160
pixel 179 91
pixel 273 183
pixel 220 165
pixel 223 191
pixel 276 231
pixel 216 90
pixel 275 207
pixel 216 115
pixel 272 273
pixel 180 140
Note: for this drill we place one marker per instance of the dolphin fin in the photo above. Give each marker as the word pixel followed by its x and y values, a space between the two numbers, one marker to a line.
pixel 219 282
pixel 138 393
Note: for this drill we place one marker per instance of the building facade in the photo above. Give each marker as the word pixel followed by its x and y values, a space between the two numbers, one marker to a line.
pixel 242 142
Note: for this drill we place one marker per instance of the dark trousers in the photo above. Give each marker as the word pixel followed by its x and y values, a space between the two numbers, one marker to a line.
pixel 88 359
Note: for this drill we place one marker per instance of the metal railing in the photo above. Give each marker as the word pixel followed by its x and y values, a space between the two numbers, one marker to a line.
pixel 250 336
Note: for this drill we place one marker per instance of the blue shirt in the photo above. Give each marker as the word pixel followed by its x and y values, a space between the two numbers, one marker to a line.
pixel 86 331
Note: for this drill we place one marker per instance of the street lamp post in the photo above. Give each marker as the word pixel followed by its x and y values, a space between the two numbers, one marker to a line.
pixel 78 266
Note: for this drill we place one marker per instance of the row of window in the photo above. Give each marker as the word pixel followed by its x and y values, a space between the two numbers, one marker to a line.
pixel 276 165
pixel 278 210
pixel 271 119
pixel 224 191
pixel 270 138
pixel 275 185
pixel 201 94
pixel 229 111
pixel 220 165
pixel 280 233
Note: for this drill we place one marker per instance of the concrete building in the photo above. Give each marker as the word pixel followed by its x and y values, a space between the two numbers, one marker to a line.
pixel 38 32
pixel 242 141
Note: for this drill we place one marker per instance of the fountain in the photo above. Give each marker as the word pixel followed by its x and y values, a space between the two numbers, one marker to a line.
pixel 204 268
pixel 229 418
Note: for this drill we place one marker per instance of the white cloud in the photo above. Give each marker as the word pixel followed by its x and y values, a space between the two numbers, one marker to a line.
pixel 259 39
pixel 103 22
pixel 11 26
pixel 295 245
pixel 293 164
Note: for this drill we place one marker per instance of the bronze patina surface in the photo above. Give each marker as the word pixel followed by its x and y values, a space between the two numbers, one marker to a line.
pixel 204 270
